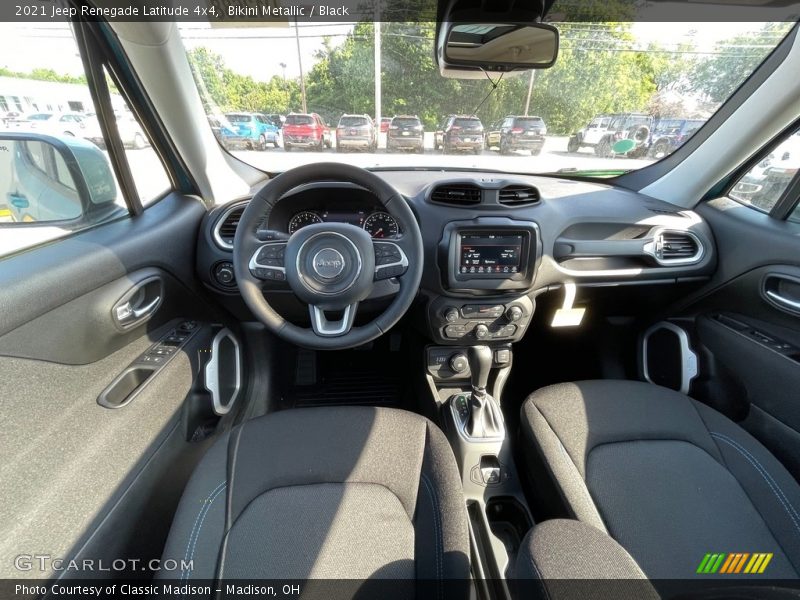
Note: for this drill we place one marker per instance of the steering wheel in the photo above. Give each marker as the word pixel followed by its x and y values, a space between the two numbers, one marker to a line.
pixel 329 266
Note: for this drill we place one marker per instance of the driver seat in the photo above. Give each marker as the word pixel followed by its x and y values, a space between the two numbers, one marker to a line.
pixel 351 493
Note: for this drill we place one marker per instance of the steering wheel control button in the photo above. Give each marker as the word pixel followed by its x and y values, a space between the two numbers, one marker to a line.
pixel 328 263
pixel 390 261
pixel 267 263
pixel 272 255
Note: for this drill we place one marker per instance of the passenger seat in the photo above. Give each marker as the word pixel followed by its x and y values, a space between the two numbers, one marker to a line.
pixel 667 477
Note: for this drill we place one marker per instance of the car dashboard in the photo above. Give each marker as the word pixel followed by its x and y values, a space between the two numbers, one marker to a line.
pixel 492 243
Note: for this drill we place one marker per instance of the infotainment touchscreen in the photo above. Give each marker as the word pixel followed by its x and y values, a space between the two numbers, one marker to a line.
pixel 490 254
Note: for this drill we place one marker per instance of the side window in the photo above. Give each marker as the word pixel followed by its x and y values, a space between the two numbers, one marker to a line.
pixel 55 174
pixel 763 185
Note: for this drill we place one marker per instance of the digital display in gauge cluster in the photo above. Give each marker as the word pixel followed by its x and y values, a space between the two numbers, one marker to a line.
pixel 379 225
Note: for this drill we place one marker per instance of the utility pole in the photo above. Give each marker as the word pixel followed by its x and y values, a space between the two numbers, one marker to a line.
pixel 377 26
pixel 530 90
pixel 300 62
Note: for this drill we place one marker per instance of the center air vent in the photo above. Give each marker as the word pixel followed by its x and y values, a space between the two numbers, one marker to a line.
pixel 460 194
pixel 225 229
pixel 518 195
pixel 675 247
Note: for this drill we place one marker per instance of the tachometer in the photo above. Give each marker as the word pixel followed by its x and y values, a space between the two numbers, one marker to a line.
pixel 381 225
pixel 302 219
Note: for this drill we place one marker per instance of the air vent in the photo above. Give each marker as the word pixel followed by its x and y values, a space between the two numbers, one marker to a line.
pixel 518 195
pixel 226 226
pixel 458 194
pixel 676 247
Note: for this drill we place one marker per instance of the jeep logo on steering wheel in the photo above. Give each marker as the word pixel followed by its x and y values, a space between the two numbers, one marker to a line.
pixel 328 263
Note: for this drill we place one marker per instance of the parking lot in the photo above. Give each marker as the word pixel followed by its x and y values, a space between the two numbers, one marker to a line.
pixel 554 157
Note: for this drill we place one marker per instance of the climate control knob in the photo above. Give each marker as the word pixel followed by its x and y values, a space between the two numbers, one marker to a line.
pixel 459 363
pixel 481 331
pixel 514 313
pixel 451 315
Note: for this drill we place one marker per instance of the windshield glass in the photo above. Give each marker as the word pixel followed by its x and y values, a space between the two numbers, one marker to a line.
pixel 621 96
pixel 239 118
pixel 353 122
pixel 299 120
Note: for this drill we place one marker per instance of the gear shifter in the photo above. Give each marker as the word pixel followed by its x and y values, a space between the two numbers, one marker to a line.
pixel 485 419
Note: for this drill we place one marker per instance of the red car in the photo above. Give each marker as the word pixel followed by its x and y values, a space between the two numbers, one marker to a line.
pixel 305 130
pixel 385 122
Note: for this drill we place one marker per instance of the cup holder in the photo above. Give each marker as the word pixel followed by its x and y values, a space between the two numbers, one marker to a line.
pixel 508 521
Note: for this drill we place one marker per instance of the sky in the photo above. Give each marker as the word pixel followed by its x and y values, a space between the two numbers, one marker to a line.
pixel 259 52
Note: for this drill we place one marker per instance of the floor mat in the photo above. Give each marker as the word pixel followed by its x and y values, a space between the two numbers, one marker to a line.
pixel 351 387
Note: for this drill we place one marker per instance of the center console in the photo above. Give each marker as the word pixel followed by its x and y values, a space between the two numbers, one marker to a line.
pixel 492 257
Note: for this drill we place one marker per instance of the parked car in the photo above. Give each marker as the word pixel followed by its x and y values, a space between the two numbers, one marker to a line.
pixel 670 134
pixel 438 136
pixel 256 128
pixel 605 130
pixel 305 130
pixel 771 176
pixel 385 122
pixel 226 135
pixel 55 123
pixel 518 133
pixel 406 133
pixel 130 132
pixel 356 132
pixel 461 133
pixel 276 119
pixel 492 134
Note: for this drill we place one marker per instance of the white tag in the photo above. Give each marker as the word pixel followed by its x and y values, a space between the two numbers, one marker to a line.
pixel 566 316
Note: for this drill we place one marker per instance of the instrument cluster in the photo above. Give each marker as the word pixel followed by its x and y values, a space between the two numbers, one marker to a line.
pixel 378 224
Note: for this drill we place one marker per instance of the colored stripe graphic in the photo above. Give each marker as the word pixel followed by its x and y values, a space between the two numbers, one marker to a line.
pixel 731 563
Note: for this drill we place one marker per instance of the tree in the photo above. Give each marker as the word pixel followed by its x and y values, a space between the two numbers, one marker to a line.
pixel 224 90
pixel 733 60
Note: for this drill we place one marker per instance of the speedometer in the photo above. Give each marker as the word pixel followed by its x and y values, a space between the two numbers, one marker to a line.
pixel 381 225
pixel 302 219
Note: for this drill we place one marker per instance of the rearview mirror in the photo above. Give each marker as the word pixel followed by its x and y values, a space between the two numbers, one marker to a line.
pixel 54 180
pixel 469 49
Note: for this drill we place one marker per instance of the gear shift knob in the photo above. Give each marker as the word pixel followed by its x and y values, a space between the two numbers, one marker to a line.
pixel 480 364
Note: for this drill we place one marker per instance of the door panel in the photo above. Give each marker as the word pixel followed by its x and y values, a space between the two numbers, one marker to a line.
pixel 79 479
pixel 750 344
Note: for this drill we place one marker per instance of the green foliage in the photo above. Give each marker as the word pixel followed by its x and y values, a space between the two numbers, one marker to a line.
pixel 600 69
pixel 733 60
pixel 42 74
pixel 224 90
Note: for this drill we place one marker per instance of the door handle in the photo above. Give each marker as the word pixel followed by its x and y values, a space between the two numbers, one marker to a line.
pixel 782 291
pixel 139 303
pixel 787 303
pixel 127 313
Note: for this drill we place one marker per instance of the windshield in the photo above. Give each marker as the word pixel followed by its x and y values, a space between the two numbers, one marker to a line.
pixel 467 123
pixel 239 118
pixel 621 96
pixel 353 122
pixel 299 120
pixel 404 122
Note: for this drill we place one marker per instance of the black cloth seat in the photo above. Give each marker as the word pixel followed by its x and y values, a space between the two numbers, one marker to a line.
pixel 667 477
pixel 326 493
